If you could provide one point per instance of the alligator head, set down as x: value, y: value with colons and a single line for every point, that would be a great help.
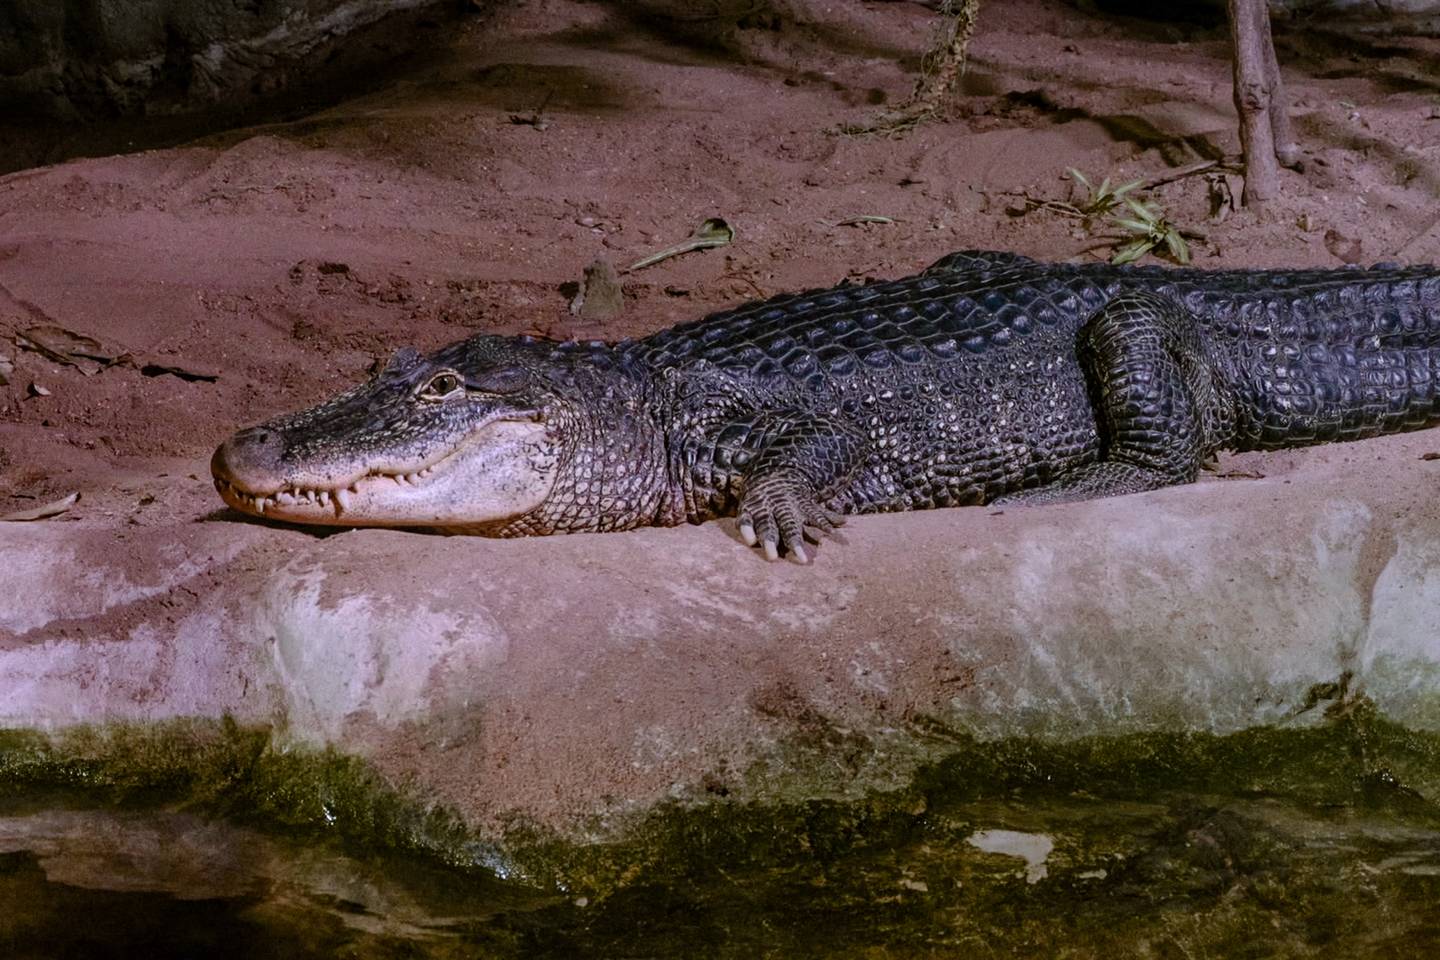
x: 476, y: 437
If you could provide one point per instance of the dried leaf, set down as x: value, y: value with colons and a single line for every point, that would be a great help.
x: 712, y: 232
x: 1342, y: 247
x: 77, y: 350
x: 52, y: 509
x: 153, y: 369
x: 601, y: 296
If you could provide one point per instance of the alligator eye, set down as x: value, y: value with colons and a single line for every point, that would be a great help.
x: 440, y: 386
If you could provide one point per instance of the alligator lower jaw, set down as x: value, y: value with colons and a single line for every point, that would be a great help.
x: 327, y: 498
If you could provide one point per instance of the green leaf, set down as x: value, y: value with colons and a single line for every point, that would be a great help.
x: 1137, y: 226
x: 1132, y: 251
x: 1123, y: 189
x: 1077, y: 175
x: 1144, y: 211
x: 1179, y: 249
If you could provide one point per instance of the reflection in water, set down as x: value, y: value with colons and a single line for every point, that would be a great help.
x: 1173, y: 875
x: 91, y: 883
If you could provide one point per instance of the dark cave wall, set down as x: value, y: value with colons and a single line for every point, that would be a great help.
x: 79, y: 59
x: 1214, y: 10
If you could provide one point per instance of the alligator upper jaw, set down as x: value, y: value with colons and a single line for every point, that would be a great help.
x: 501, y: 470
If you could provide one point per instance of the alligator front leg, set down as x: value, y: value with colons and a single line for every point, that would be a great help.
x: 778, y: 471
x: 1162, y: 401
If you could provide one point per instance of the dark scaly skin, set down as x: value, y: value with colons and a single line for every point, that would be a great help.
x: 988, y: 377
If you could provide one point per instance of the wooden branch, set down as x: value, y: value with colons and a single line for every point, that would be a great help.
x: 1249, y: 28
x: 1287, y: 150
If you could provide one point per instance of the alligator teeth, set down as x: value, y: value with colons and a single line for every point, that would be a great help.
x: 339, y: 499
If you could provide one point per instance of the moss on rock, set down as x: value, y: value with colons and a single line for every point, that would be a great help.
x: 1323, y: 840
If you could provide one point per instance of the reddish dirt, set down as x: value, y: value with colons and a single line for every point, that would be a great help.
x: 284, y: 259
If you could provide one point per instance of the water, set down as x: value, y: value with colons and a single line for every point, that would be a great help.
x: 165, y: 884
x: 1180, y: 877
x: 1317, y: 843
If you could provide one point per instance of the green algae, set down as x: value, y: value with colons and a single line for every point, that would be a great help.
x: 1316, y: 841
x: 241, y: 774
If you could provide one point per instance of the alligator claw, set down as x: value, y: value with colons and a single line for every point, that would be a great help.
x: 778, y: 514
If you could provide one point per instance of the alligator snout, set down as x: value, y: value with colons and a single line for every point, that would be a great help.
x: 251, y: 458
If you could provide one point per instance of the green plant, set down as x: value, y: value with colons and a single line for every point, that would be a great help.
x: 1100, y: 200
x: 1147, y: 230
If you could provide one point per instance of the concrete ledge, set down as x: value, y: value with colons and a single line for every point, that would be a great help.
x: 569, y: 677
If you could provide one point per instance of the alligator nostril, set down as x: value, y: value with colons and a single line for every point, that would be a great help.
x: 257, y: 441
x: 253, y: 451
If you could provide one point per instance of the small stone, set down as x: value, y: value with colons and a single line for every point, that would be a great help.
x: 38, y: 391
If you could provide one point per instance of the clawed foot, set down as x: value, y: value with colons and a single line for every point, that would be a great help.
x: 778, y: 513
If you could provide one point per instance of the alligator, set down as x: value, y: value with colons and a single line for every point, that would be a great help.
x: 989, y: 377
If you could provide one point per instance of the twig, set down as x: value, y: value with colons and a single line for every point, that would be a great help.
x: 942, y: 69
x: 947, y: 64
x: 856, y: 221
x: 1042, y: 203
x: 1202, y: 167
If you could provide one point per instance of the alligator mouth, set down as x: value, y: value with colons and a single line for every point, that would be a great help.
x: 327, y: 498
x: 500, y: 469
